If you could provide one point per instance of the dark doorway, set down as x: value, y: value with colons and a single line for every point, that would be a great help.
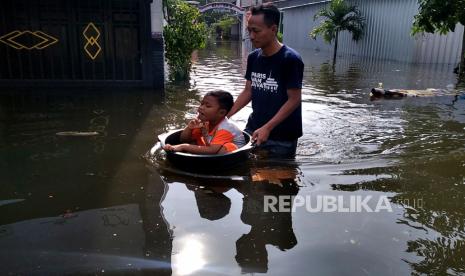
x: 84, y: 42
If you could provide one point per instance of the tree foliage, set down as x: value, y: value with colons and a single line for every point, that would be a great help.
x: 184, y: 33
x: 213, y: 16
x: 441, y: 16
x: 339, y: 17
x: 224, y: 25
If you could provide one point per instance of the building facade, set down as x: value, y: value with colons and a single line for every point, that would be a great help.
x: 387, y: 32
x: 81, y: 43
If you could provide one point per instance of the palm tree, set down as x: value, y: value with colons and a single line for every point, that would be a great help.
x: 339, y: 17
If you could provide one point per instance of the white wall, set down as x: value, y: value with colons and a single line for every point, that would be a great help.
x: 156, y: 11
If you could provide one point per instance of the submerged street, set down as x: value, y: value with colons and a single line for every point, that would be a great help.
x: 101, y: 204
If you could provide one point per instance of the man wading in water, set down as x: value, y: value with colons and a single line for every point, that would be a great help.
x: 273, y: 84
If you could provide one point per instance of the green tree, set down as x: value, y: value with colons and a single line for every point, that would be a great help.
x: 280, y: 36
x: 184, y: 33
x: 212, y: 16
x: 224, y: 25
x: 338, y: 17
x: 441, y: 16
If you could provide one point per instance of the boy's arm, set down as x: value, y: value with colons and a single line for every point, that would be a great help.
x: 212, y: 149
x: 218, y: 145
x: 242, y: 100
x: 186, y: 135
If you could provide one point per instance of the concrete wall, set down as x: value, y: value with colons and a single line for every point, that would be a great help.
x: 156, y: 11
x: 387, y: 33
x: 158, y: 53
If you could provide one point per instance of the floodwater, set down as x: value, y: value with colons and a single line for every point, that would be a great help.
x: 100, y: 204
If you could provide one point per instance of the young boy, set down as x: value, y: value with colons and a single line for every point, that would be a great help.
x: 211, y: 132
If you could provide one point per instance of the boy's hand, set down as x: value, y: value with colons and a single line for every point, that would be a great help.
x: 195, y: 123
x: 169, y: 147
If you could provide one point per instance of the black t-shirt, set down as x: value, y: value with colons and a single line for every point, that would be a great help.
x: 271, y: 77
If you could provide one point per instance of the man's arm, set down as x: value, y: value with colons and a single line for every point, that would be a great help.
x: 242, y: 100
x: 294, y: 99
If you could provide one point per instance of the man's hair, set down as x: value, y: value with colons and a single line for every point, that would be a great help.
x: 270, y: 13
x: 225, y: 99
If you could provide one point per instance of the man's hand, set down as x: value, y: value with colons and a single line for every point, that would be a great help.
x: 261, y: 135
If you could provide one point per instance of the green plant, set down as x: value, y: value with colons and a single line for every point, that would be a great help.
x: 441, y: 16
x: 280, y: 37
x: 224, y: 25
x: 339, y: 17
x: 184, y: 33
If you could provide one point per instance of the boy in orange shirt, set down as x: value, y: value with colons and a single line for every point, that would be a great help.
x: 211, y: 132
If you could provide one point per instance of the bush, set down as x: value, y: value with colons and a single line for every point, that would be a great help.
x: 184, y: 33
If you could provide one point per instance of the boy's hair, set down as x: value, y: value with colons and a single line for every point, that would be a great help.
x: 271, y: 14
x: 225, y: 99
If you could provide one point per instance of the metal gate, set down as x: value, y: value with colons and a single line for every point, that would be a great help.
x: 83, y: 41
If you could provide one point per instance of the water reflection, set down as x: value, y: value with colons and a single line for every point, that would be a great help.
x: 267, y: 228
x: 327, y: 80
x: 81, y: 204
x: 427, y: 181
x: 214, y: 204
x: 158, y: 234
x: 118, y: 238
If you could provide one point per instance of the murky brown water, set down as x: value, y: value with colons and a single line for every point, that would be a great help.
x: 94, y: 204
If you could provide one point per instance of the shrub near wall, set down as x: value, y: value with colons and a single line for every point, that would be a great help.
x: 184, y: 33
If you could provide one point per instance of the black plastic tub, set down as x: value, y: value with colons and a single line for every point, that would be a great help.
x: 204, y: 162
